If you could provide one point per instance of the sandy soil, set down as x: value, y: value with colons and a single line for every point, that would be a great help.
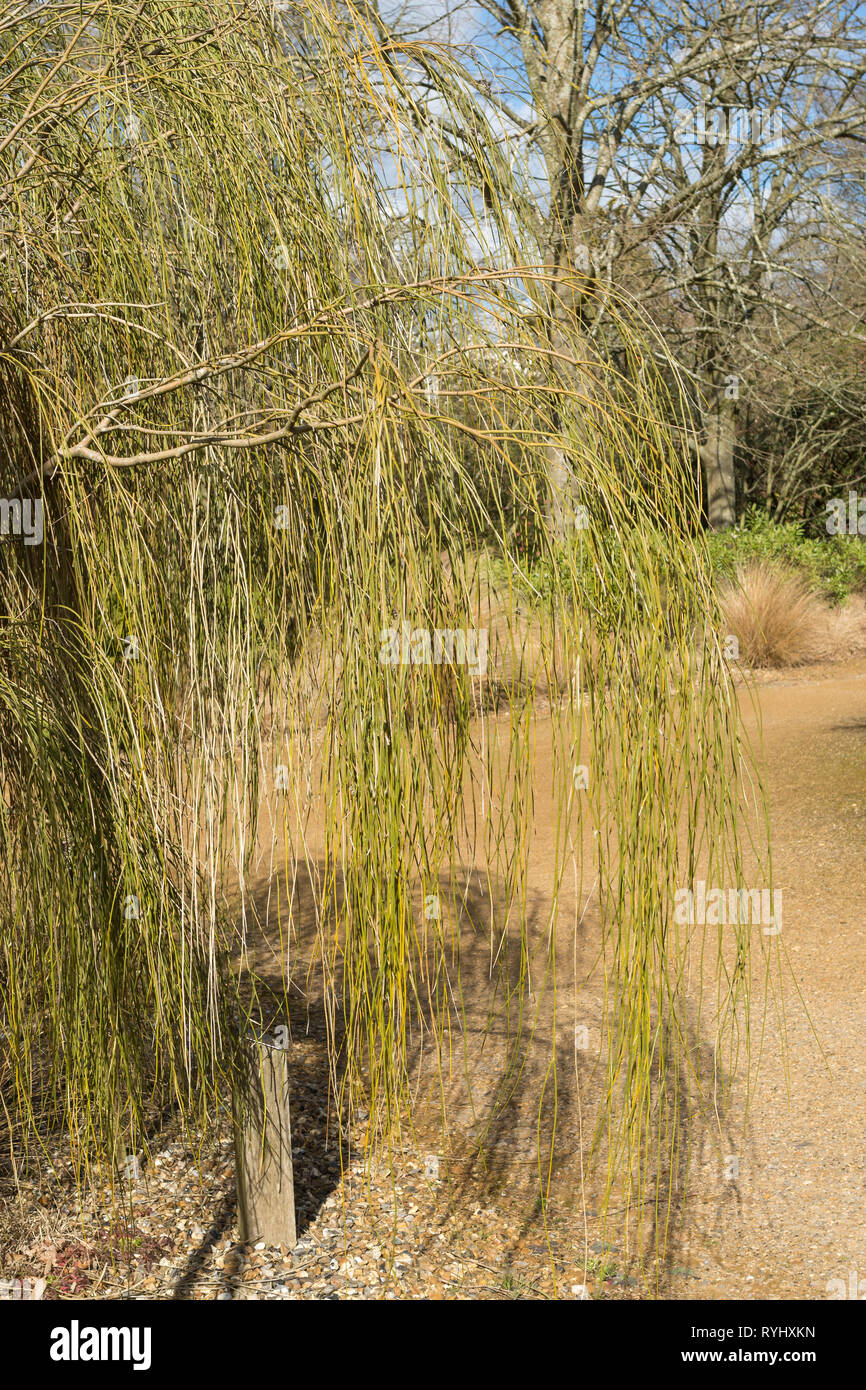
x: 794, y: 1220
x: 773, y: 1208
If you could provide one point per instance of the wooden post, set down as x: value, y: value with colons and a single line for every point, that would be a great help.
x: 263, y: 1150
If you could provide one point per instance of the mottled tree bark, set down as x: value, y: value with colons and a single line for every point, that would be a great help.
x: 717, y: 456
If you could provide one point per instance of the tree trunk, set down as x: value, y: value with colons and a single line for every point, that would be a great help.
x: 561, y: 494
x: 717, y: 456
x: 568, y: 297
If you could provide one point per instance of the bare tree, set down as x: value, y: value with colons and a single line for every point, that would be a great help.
x: 661, y: 132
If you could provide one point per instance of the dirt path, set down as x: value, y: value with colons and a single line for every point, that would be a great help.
x: 780, y: 1214
x: 795, y: 1220
x: 790, y: 1218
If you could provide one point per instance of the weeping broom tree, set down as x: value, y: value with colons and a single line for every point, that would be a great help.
x: 280, y: 370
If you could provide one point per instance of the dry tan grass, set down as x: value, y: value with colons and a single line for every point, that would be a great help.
x: 846, y: 629
x: 779, y: 621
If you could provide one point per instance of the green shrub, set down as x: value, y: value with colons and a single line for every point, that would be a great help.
x: 834, y: 566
